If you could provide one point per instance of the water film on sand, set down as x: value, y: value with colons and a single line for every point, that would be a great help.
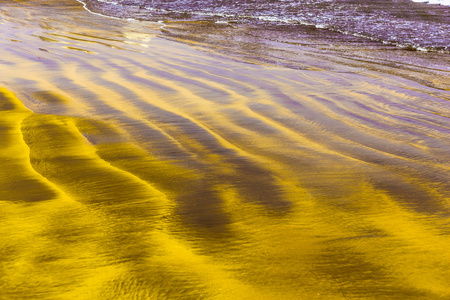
x: 137, y: 167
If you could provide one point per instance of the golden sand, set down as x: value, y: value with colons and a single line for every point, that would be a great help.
x: 134, y: 167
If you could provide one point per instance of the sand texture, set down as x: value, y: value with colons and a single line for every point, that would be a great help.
x: 138, y: 167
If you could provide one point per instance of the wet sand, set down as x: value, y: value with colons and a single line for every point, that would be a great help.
x: 138, y: 167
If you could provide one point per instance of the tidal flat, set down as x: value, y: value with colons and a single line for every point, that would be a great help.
x: 140, y: 165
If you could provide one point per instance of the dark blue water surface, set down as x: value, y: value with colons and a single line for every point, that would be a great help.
x: 403, y: 23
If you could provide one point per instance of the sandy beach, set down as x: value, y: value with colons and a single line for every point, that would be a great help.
x: 138, y: 165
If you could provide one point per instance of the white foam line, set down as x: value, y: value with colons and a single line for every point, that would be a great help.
x: 441, y: 2
x: 115, y: 18
x: 98, y: 14
x: 163, y: 24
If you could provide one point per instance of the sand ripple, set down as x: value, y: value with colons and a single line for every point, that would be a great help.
x: 134, y: 167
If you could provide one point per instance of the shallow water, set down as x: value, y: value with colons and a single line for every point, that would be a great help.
x: 407, y: 24
x: 402, y: 38
x: 136, y: 167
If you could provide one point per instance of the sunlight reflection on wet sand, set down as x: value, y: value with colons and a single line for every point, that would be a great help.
x: 142, y: 168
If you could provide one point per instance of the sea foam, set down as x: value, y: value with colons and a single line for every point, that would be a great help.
x: 442, y: 2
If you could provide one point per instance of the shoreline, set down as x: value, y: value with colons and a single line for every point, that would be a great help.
x: 314, y: 48
x: 136, y: 166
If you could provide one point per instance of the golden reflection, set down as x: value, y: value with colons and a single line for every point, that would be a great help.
x: 165, y: 173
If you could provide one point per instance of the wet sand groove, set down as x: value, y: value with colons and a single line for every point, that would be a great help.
x: 134, y: 168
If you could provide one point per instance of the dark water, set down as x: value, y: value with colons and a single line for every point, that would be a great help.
x: 403, y: 23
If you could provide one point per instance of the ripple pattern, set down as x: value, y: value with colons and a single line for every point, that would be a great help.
x: 135, y: 167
